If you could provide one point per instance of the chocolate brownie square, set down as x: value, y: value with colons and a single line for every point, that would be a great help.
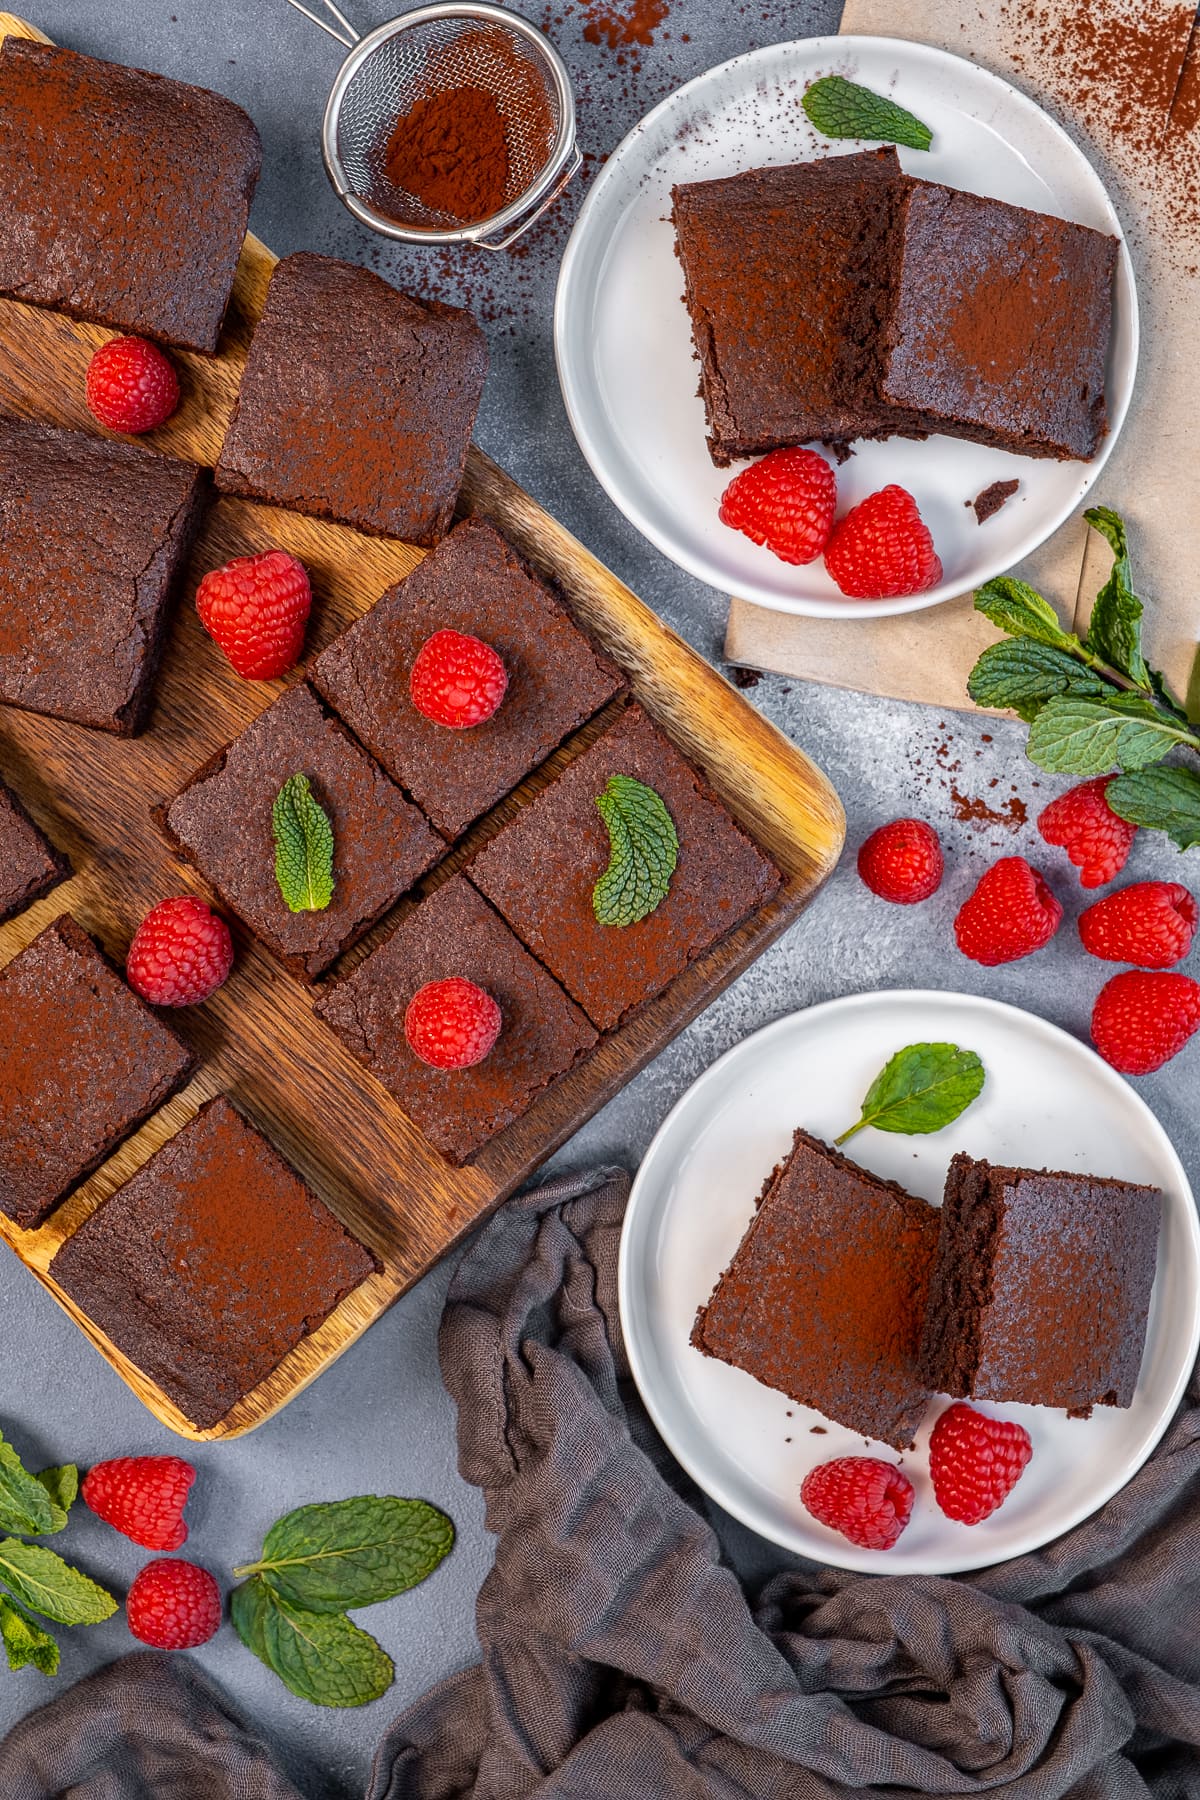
x: 1041, y: 1288
x: 357, y: 402
x: 29, y: 865
x: 540, y: 871
x: 455, y: 933
x: 787, y: 274
x: 474, y: 583
x: 92, y: 538
x: 825, y: 1297
x: 83, y: 1062
x: 999, y: 324
x: 211, y: 1263
x: 125, y: 196
x: 223, y: 823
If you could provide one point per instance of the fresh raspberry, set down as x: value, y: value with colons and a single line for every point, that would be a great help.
x: 868, y: 1501
x: 131, y: 386
x: 256, y: 608
x: 1082, y: 823
x: 1140, y: 1021
x: 457, y: 680
x: 142, y: 1497
x: 902, y: 862
x: 173, y: 1605
x: 180, y: 954
x: 1011, y: 913
x: 975, y: 1462
x: 451, y: 1024
x: 786, y: 501
x: 882, y: 548
x: 1151, y: 923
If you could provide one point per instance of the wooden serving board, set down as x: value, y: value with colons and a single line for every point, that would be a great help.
x: 257, y: 1037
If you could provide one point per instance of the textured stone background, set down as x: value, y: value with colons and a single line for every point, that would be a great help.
x: 379, y: 1420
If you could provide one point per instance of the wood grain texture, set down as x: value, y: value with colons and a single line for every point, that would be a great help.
x: 257, y: 1037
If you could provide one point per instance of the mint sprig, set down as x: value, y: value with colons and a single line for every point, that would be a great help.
x: 25, y: 1643
x: 844, y: 109
x: 643, y: 852
x: 303, y: 847
x: 39, y: 1580
x: 44, y: 1582
x: 921, y: 1089
x: 1163, y: 799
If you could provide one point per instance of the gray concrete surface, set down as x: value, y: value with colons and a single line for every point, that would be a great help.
x: 379, y: 1420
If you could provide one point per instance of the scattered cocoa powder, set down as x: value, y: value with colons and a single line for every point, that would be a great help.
x: 973, y: 811
x: 620, y: 26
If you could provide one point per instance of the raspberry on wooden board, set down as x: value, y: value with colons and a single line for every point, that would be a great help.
x: 256, y: 608
x: 181, y: 953
x: 131, y: 386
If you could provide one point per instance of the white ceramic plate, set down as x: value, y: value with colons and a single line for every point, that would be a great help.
x: 623, y: 339
x: 1049, y: 1102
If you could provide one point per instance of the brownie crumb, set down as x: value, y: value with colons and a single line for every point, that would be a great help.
x: 818, y: 1431
x: 840, y: 451
x: 992, y: 499
x: 747, y: 678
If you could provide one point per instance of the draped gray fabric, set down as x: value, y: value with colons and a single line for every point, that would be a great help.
x: 622, y: 1657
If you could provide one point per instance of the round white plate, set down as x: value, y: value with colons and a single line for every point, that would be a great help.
x: 1049, y: 1102
x: 623, y: 338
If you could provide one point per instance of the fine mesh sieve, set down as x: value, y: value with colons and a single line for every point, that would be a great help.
x: 430, y: 50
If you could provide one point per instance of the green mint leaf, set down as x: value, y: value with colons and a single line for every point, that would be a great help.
x: 321, y: 1657
x: 24, y: 1640
x: 842, y: 109
x: 643, y: 852
x: 62, y: 1485
x: 1115, y: 630
x: 42, y: 1581
x: 25, y: 1506
x: 303, y: 847
x: 1163, y: 799
x: 921, y: 1089
x: 1015, y: 607
x: 1022, y: 674
x: 1089, y: 737
x: 345, y: 1553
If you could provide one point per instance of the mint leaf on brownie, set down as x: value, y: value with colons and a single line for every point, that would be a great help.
x: 643, y: 852
x: 921, y: 1089
x: 842, y: 108
x: 303, y: 847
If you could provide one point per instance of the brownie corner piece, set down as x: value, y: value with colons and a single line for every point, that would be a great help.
x: 29, y: 863
x: 357, y: 402
x: 202, y: 1292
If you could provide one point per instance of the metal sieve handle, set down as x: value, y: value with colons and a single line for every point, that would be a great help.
x: 351, y: 38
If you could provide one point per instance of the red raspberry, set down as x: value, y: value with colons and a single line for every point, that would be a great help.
x: 1140, y: 1021
x: 1082, y: 823
x: 902, y: 862
x: 256, y: 608
x: 180, y: 954
x: 1011, y: 913
x: 451, y: 1024
x: 786, y: 501
x: 868, y: 1501
x: 142, y: 1497
x: 975, y: 1462
x: 1151, y: 923
x: 882, y: 548
x: 173, y: 1605
x: 457, y: 680
x: 131, y: 386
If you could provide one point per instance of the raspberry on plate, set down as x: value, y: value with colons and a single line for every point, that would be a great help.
x: 975, y: 1462
x: 1082, y: 823
x: 867, y: 1500
x: 173, y: 1605
x: 142, y: 1497
x: 1141, y: 1019
x: 131, y: 386
x: 180, y: 954
x: 457, y: 680
x: 902, y: 862
x: 1011, y: 913
x: 1151, y: 923
x: 882, y: 549
x: 451, y: 1024
x: 785, y: 502
x: 255, y: 608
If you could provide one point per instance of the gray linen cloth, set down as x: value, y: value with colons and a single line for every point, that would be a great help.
x: 622, y: 1657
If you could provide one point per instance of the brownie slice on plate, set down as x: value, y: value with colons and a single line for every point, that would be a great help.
x: 474, y: 583
x: 125, y: 196
x: 1041, y: 1288
x: 93, y: 535
x: 825, y: 1296
x: 29, y: 865
x: 211, y: 1263
x: 357, y: 402
x: 83, y: 1061
x: 223, y: 823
